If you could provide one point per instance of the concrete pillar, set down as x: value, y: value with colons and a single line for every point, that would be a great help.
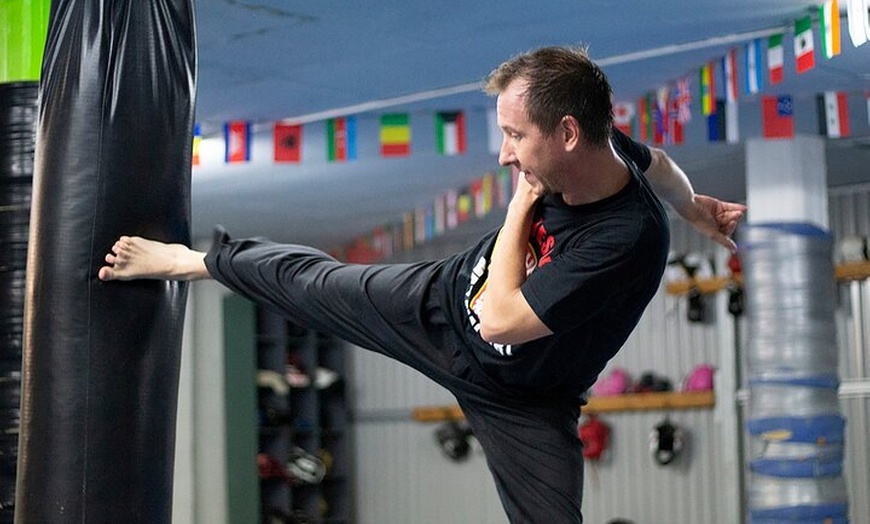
x: 796, y: 432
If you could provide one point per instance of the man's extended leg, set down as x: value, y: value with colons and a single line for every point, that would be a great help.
x: 388, y: 308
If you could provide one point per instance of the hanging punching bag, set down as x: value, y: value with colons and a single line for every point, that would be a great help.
x: 101, y: 359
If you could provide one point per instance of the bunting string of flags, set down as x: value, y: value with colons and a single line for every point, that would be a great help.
x: 658, y: 117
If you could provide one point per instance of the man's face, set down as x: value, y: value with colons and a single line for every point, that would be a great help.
x: 524, y: 145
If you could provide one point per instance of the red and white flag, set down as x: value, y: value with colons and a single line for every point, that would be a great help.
x: 729, y: 67
x: 623, y: 117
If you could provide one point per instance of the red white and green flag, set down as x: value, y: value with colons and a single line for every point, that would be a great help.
x: 341, y: 139
x: 829, y: 19
x: 833, y: 113
x: 804, y: 52
x: 450, y: 132
x: 395, y: 135
x: 775, y: 58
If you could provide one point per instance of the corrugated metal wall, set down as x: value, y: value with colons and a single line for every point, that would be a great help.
x: 850, y: 215
x: 402, y: 476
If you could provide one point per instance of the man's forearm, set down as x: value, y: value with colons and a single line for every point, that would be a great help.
x: 506, y: 317
x: 670, y: 183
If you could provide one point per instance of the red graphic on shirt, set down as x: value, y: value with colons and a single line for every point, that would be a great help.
x: 543, y: 241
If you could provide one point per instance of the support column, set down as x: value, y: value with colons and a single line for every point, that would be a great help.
x: 796, y: 431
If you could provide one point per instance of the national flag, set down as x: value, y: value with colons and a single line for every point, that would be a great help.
x: 804, y: 53
x: 382, y: 242
x: 430, y: 221
x: 419, y: 226
x: 408, y: 230
x: 197, y: 140
x: 660, y: 135
x: 777, y: 121
x: 504, y: 184
x: 857, y: 14
x: 684, y: 101
x: 623, y: 117
x: 716, y: 123
x: 708, y: 89
x: 395, y: 135
x: 237, y: 135
x: 729, y: 73
x: 440, y: 215
x: 829, y: 20
x: 341, y: 139
x: 487, y: 190
x: 450, y: 203
x: 450, y: 132
x: 732, y: 126
x: 833, y: 111
x: 723, y: 125
x: 287, y: 140
x: 477, y: 197
x: 775, y: 58
x: 675, y: 128
x: 464, y: 204
x: 493, y: 132
x: 643, y: 118
x: 752, y: 57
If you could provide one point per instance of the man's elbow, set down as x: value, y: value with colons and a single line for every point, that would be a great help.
x: 492, y: 332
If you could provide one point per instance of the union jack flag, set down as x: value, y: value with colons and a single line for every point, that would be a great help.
x: 684, y: 101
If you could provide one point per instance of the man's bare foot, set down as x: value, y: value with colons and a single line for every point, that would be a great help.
x: 136, y: 257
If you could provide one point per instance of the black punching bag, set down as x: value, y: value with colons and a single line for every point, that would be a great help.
x: 101, y: 359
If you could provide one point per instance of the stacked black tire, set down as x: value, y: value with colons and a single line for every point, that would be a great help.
x: 18, y: 111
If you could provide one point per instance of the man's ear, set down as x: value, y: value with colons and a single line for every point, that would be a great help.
x: 572, y: 135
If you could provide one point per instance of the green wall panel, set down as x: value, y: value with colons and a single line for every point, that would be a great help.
x: 240, y: 361
x: 23, y: 26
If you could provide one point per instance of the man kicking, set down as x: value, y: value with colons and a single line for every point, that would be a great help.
x: 519, y: 325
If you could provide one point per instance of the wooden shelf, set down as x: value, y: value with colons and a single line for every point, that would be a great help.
x: 651, y: 402
x: 852, y: 271
x: 842, y: 272
x: 617, y: 403
x: 704, y: 285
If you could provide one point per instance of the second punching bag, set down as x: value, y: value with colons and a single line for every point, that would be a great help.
x: 101, y: 360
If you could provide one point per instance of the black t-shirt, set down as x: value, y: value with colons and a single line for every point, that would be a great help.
x: 594, y: 268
